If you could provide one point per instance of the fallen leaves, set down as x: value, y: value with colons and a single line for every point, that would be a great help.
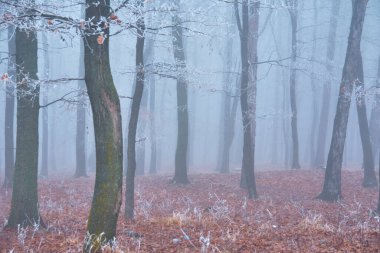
x: 212, y: 212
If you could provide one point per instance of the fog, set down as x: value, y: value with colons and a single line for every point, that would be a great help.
x: 205, y: 41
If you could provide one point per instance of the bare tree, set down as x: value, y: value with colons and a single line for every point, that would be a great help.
x: 180, y: 174
x: 352, y: 73
x: 326, y: 95
x: 293, y: 12
x: 133, y: 121
x: 248, y: 88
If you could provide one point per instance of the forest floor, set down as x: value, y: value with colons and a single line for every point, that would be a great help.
x: 210, y: 213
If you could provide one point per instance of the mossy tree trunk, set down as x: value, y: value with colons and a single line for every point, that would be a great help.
x: 180, y: 174
x: 9, y: 112
x: 24, y: 206
x: 105, y: 106
x: 352, y: 73
x: 133, y: 121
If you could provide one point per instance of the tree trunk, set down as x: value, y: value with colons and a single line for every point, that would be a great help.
x: 314, y: 101
x: 369, y: 179
x: 45, y: 116
x: 133, y: 121
x: 80, y: 138
x: 352, y: 72
x: 141, y: 135
x: 105, y: 106
x: 374, y: 124
x: 180, y: 175
x: 24, y: 206
x: 9, y: 112
x: 152, y: 106
x: 326, y: 97
x: 293, y: 77
x: 248, y: 90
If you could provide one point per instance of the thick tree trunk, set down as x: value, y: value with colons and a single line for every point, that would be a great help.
x: 248, y: 90
x: 133, y: 121
x: 80, y: 137
x: 293, y: 77
x: 9, y: 112
x: 24, y: 206
x: 326, y: 96
x: 107, y: 128
x: 352, y: 72
x: 180, y: 174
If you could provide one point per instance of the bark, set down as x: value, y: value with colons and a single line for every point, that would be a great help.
x: 105, y: 106
x: 180, y: 174
x: 9, y: 112
x: 24, y: 205
x: 133, y: 121
x: 248, y: 89
x: 141, y: 135
x: 80, y: 137
x: 352, y: 72
x: 293, y: 77
x: 326, y: 96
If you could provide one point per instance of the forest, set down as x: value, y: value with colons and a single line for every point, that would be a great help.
x: 189, y: 126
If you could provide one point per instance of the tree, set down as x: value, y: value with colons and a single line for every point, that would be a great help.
x: 228, y: 111
x: 80, y: 138
x: 326, y: 95
x: 352, y: 73
x: 9, y: 112
x: 135, y: 109
x: 248, y: 88
x: 106, y: 113
x: 45, y: 115
x: 180, y: 174
x: 293, y: 12
x: 24, y: 206
x: 374, y: 123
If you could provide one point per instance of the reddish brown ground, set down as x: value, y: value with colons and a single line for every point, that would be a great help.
x: 285, y: 218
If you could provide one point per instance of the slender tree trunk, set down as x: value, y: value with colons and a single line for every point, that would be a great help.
x: 9, y: 111
x: 326, y: 97
x: 313, y: 128
x: 24, y: 206
x: 152, y: 106
x: 352, y: 72
x: 374, y: 125
x: 248, y: 90
x: 45, y: 116
x: 106, y: 113
x: 180, y: 175
x: 369, y: 179
x: 80, y: 137
x: 141, y: 135
x: 133, y: 121
x: 293, y: 77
